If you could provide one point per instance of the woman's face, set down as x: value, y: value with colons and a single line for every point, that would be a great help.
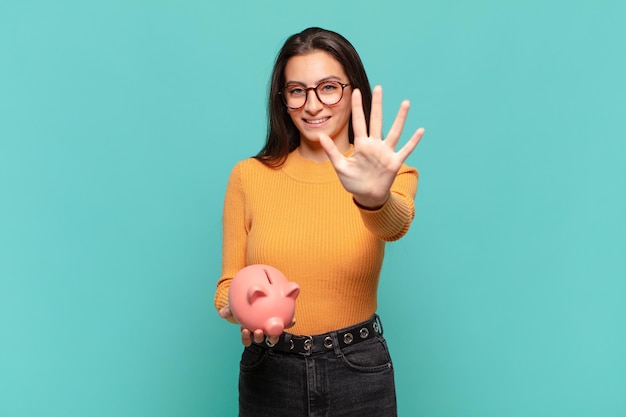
x: 314, y: 117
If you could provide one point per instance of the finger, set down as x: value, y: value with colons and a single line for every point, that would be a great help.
x: 359, y: 125
x: 335, y: 156
x: 398, y: 125
x: 273, y: 339
x: 376, y: 115
x: 225, y: 312
x: 259, y: 336
x: 246, y: 337
x: 411, y: 144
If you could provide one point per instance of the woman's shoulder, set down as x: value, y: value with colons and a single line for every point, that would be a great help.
x: 251, y: 168
x: 251, y: 164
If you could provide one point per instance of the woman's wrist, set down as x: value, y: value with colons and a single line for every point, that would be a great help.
x: 368, y: 203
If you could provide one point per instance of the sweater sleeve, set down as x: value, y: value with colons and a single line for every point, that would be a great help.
x: 234, y: 236
x: 393, y: 219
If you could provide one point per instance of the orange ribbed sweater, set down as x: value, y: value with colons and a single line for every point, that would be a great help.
x: 299, y: 219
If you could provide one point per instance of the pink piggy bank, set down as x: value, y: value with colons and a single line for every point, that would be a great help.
x: 260, y: 297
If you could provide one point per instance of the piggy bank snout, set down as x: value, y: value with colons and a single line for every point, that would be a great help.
x: 274, y: 326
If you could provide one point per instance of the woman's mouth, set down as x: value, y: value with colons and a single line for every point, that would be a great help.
x: 316, y: 122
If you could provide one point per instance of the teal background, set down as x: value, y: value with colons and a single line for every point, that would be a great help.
x: 120, y: 122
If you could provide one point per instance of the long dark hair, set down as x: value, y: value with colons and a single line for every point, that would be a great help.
x: 282, y: 135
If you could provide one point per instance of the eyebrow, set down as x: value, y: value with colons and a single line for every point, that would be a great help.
x: 329, y: 78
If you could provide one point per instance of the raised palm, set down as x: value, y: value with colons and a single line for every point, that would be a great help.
x: 370, y: 170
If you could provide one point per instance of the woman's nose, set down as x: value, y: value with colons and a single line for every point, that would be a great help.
x: 313, y: 104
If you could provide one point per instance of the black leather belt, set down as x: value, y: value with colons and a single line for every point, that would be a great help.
x: 310, y: 345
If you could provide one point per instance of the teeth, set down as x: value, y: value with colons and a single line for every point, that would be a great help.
x: 315, y: 122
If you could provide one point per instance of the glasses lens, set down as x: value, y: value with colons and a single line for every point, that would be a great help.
x: 329, y: 92
x: 294, y: 96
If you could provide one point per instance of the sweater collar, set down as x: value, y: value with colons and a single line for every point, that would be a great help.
x: 306, y: 170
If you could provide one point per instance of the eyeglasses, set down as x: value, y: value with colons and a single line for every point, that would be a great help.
x: 327, y: 92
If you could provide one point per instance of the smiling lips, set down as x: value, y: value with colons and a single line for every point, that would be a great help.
x: 316, y: 121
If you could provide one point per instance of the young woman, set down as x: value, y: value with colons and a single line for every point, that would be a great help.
x: 319, y: 202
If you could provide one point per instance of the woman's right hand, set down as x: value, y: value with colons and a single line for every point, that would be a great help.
x: 247, y: 336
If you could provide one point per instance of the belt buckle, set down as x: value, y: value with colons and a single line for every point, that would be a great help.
x: 307, y: 345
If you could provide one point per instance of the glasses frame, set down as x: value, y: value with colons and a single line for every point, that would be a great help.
x: 306, y: 94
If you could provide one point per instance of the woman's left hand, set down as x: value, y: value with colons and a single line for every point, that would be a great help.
x: 371, y: 169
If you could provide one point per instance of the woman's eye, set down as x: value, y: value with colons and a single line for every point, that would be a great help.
x: 328, y: 87
x: 296, y: 91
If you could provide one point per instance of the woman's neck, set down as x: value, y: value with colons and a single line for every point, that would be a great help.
x: 313, y: 150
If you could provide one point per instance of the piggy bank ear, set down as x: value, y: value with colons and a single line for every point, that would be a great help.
x: 255, y: 292
x: 291, y: 290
